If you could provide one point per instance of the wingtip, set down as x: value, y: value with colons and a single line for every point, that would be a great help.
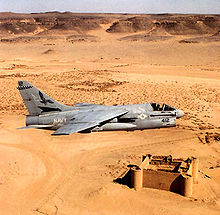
x: 60, y: 133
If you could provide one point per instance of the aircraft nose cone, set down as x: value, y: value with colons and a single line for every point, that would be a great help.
x: 179, y: 114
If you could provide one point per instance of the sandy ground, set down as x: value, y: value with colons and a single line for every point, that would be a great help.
x: 41, y: 174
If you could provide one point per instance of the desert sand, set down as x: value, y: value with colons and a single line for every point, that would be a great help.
x: 108, y: 59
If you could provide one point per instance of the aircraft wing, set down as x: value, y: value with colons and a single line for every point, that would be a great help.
x: 70, y: 128
x: 88, y: 120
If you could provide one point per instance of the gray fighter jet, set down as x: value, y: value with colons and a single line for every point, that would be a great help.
x: 46, y: 113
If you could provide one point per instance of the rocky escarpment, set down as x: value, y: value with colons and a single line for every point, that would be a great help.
x: 46, y: 23
x: 172, y: 24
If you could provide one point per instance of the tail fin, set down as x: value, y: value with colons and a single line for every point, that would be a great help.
x: 38, y: 102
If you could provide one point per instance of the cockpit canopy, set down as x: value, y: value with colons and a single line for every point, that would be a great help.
x: 164, y: 107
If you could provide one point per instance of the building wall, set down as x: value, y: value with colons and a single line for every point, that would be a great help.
x: 161, y: 180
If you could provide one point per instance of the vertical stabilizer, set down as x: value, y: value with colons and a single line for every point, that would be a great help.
x: 38, y: 102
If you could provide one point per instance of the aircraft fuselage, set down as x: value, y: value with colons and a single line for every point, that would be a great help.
x: 47, y: 113
x: 138, y: 117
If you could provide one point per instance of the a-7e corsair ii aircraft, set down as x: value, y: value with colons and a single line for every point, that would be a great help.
x: 45, y: 112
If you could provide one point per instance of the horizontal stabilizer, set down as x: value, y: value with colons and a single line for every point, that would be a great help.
x: 36, y: 126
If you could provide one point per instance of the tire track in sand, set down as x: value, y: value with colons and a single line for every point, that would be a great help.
x: 40, y: 191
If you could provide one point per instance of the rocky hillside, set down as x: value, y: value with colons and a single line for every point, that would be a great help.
x: 172, y: 24
x: 51, y: 23
x: 11, y: 23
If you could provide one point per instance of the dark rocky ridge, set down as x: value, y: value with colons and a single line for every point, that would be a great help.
x: 12, y: 23
x: 56, y: 22
x: 172, y: 24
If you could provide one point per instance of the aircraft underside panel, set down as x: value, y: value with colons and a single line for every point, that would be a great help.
x: 115, y: 126
x: 138, y: 124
